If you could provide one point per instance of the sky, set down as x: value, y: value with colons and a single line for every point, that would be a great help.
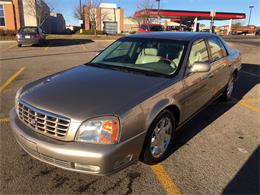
x: 66, y: 7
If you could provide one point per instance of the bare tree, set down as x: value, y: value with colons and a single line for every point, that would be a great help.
x: 90, y: 11
x: 145, y: 5
x: 78, y: 12
x: 40, y: 9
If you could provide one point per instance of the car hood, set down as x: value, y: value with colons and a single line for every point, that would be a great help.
x: 85, y: 91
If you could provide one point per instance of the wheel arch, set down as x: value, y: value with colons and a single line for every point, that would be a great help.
x: 173, y: 107
x: 175, y: 111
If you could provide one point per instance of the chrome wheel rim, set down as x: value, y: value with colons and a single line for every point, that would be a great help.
x: 161, y: 137
x: 230, y: 87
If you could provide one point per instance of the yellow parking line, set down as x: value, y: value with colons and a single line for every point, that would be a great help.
x: 165, y: 180
x: 244, y: 103
x: 83, y: 46
x: 4, y: 120
x: 46, y: 48
x: 10, y: 47
x: 11, y: 79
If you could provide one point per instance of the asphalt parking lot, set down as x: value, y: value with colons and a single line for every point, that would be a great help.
x: 216, y: 152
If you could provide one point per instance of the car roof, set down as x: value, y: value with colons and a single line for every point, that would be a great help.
x: 183, y: 36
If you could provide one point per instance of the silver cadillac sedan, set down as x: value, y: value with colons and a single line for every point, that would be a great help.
x: 126, y: 104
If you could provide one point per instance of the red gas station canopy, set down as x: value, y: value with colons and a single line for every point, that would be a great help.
x: 188, y: 15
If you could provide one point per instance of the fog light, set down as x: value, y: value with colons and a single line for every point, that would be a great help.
x: 90, y: 168
x: 122, y: 162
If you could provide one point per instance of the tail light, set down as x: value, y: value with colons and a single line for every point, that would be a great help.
x: 18, y: 36
x: 37, y: 36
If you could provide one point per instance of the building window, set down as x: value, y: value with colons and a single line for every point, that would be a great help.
x: 2, y: 18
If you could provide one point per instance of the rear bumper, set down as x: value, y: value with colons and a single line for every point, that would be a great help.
x: 28, y: 41
x: 94, y: 159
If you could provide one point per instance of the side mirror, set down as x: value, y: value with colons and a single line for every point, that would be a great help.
x: 200, y: 67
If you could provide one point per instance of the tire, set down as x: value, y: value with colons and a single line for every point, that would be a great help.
x: 227, y: 94
x: 19, y: 45
x: 43, y: 42
x: 151, y: 154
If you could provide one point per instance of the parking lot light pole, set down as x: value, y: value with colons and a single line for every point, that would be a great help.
x: 158, y: 10
x: 250, y: 7
x: 212, y: 14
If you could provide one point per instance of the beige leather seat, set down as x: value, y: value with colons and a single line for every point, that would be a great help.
x: 148, y: 55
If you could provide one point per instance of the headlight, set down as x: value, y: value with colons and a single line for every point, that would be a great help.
x: 104, y: 130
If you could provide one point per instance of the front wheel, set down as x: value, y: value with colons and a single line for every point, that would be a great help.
x: 159, y: 139
x: 19, y: 45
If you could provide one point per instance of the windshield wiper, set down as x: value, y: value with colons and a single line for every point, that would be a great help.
x: 113, y: 67
x: 128, y: 69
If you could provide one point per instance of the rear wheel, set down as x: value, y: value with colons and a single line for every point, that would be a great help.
x: 227, y: 94
x: 159, y: 139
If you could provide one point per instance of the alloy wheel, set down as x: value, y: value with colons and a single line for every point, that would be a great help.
x: 161, y: 137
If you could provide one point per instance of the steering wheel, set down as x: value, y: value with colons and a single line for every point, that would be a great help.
x: 166, y: 60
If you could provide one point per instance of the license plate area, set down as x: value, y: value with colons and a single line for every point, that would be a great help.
x: 27, y: 36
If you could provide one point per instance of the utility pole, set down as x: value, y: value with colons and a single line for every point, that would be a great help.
x: 15, y: 20
x: 158, y: 10
x: 80, y: 8
x: 250, y: 7
x: 81, y: 16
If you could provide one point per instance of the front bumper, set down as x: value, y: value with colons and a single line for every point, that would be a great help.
x: 97, y: 159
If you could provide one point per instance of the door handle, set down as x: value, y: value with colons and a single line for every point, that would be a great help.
x: 210, y: 75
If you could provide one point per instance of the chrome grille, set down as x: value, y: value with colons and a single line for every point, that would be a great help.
x: 43, y: 122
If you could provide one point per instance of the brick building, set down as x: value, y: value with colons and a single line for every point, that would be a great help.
x: 17, y: 13
x: 109, y: 18
x: 10, y: 15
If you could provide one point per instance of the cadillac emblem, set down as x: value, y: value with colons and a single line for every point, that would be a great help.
x: 32, y: 122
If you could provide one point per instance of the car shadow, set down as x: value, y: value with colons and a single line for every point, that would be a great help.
x: 64, y: 42
x: 245, y: 82
x: 247, y: 180
x: 247, y: 79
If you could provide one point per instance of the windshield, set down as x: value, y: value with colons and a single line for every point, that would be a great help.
x: 148, y: 55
